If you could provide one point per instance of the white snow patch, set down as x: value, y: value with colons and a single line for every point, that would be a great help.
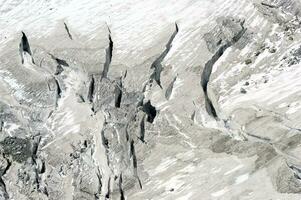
x: 186, y: 196
x: 177, y: 84
x: 164, y: 165
x: 11, y: 128
x: 189, y: 169
x: 174, y: 182
x: 282, y: 105
x: 220, y: 192
x: 274, y: 28
x: 234, y: 169
x: 294, y: 107
x: 221, y: 59
x: 242, y: 178
x: 215, y: 170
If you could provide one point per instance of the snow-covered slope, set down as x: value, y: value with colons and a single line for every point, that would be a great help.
x: 150, y: 99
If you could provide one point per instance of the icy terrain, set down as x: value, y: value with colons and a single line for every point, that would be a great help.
x: 150, y: 99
